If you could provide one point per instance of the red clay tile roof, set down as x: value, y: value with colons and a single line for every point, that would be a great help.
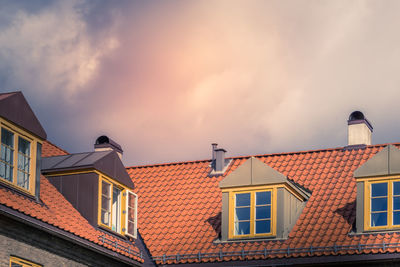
x: 50, y: 150
x: 57, y: 211
x: 180, y: 209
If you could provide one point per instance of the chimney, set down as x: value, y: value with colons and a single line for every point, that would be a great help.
x: 219, y: 159
x: 103, y: 143
x: 359, y: 129
x: 213, y: 148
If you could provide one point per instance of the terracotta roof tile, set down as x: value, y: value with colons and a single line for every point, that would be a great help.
x: 180, y: 205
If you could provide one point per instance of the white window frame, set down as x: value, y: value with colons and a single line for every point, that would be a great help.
x: 134, y: 235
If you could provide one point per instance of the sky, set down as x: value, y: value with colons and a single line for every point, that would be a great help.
x: 165, y: 79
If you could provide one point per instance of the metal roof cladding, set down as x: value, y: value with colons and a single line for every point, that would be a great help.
x: 107, y: 162
x: 15, y: 108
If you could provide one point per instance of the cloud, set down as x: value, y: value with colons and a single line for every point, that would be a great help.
x: 50, y: 51
x: 165, y: 79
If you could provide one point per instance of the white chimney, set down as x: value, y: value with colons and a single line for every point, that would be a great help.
x: 359, y: 129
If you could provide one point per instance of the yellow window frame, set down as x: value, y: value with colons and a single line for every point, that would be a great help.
x: 252, y: 191
x: 367, y: 203
x: 22, y: 262
x: 34, y: 141
x: 123, y: 204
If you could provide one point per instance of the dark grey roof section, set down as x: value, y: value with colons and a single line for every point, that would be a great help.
x: 15, y: 108
x: 385, y: 162
x: 107, y: 162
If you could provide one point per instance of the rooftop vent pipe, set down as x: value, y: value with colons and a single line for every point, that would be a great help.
x: 218, y: 158
x: 103, y: 143
x: 359, y: 129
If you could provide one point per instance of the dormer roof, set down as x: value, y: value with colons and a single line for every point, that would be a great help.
x: 106, y: 162
x: 386, y: 162
x: 254, y: 172
x: 15, y: 108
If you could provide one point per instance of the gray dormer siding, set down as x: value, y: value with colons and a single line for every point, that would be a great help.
x: 254, y: 172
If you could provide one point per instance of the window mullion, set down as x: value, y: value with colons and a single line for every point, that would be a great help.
x: 390, y: 203
x: 252, y: 213
x: 111, y: 204
x: 15, y: 159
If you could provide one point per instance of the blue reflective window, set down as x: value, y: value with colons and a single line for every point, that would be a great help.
x: 263, y: 212
x: 396, y: 217
x: 243, y: 214
x: 253, y: 213
x: 379, y: 204
x: 379, y: 189
x: 243, y: 200
x: 263, y: 227
x: 379, y: 219
x: 242, y: 228
x: 396, y: 188
x: 263, y: 198
x: 396, y: 203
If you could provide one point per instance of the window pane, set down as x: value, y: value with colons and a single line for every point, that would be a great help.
x: 242, y: 228
x: 7, y: 138
x: 131, y: 213
x: 23, y: 162
x: 243, y: 199
x: 379, y: 219
x: 131, y: 227
x: 263, y: 227
x: 13, y: 264
x: 396, y: 188
x: 116, y: 210
x: 396, y: 217
x: 263, y: 198
x: 379, y: 189
x: 23, y: 146
x: 6, y: 171
x: 105, y: 217
x: 7, y: 154
x: 242, y: 214
x: 105, y: 189
x: 396, y: 203
x: 263, y: 212
x: 23, y: 179
x: 378, y: 204
x: 105, y: 203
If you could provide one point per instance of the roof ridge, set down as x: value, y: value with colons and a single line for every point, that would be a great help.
x: 256, y: 156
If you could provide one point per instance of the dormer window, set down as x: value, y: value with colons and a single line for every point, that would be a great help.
x: 21, y: 138
x: 252, y: 214
x: 17, y: 162
x: 98, y: 186
x: 118, y: 207
x: 378, y: 192
x: 259, y: 202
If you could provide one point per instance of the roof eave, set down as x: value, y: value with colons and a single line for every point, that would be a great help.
x: 65, y: 235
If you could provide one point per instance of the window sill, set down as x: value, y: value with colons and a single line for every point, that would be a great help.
x: 375, y: 231
x: 20, y: 191
x: 253, y: 239
x: 109, y: 231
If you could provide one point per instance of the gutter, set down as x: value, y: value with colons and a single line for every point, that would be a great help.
x: 65, y: 235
